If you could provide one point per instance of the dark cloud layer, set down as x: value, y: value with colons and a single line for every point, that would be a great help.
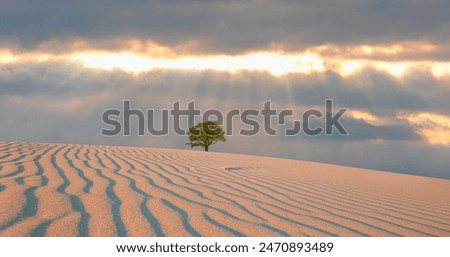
x: 227, y: 26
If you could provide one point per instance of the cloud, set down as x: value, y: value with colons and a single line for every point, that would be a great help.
x: 227, y: 26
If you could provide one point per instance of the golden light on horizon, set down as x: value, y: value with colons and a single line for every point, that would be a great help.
x: 437, y: 136
x: 377, y: 51
x: 7, y: 57
x: 350, y: 67
x: 435, y: 128
x: 395, y: 69
x: 145, y: 57
x: 441, y: 69
x: 366, y: 116
x: 275, y: 64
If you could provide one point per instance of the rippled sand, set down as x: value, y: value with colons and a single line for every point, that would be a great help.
x: 81, y: 190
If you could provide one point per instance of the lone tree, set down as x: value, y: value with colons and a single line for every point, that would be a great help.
x: 205, y: 134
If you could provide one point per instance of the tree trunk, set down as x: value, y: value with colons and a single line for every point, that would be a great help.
x: 206, y: 148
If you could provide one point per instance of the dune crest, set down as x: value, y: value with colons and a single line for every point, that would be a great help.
x: 82, y: 190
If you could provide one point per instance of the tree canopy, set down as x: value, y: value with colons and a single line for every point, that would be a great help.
x: 205, y: 134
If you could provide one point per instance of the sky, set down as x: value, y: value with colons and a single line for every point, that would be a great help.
x: 63, y: 63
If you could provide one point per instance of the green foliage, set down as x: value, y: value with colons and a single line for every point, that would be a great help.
x: 205, y: 134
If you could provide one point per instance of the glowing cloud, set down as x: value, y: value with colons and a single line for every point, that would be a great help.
x: 435, y: 128
x: 141, y: 57
x: 368, y: 117
x: 275, y: 64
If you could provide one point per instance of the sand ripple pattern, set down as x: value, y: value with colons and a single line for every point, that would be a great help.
x: 82, y: 190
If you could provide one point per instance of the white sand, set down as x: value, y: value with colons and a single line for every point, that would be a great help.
x: 79, y: 190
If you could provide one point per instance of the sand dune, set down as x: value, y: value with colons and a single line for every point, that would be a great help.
x: 81, y: 190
